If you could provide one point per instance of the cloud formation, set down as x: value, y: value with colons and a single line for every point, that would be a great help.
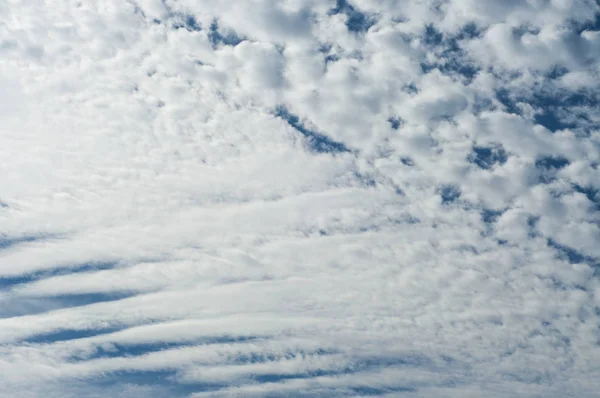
x: 300, y: 198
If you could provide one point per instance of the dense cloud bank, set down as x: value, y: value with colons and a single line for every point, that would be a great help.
x: 299, y: 198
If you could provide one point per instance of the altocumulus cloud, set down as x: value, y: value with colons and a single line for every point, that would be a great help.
x: 299, y: 198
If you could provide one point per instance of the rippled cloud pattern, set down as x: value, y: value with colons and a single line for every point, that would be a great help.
x: 299, y: 198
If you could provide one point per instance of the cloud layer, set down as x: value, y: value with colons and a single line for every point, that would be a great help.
x: 299, y: 198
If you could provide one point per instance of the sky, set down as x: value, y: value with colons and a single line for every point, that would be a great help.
x: 299, y: 198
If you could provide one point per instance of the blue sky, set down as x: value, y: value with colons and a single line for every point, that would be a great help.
x: 300, y: 199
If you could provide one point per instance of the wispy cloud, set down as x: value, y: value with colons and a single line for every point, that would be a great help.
x: 302, y: 198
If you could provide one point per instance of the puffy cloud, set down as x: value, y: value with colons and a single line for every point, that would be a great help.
x: 261, y: 198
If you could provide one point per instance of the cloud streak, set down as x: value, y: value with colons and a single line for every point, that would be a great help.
x: 300, y: 198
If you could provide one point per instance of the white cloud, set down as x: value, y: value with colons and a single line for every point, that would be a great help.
x: 167, y: 229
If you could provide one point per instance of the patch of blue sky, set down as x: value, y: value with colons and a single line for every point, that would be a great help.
x: 25, y: 305
x: 407, y: 161
x: 572, y: 255
x: 166, y: 380
x: 329, y: 58
x: 362, y: 391
x: 365, y: 179
x: 18, y: 306
x: 556, y: 72
x: 548, y: 166
x: 486, y: 157
x: 163, y: 379
x: 330, y: 53
x: 532, y: 222
x: 591, y: 193
x: 367, y: 391
x: 178, y: 20
x: 8, y: 282
x: 315, y: 141
x: 357, y: 21
x: 557, y: 108
x: 187, y: 22
x: 489, y: 216
x: 216, y: 37
x: 116, y: 350
x: 357, y: 367
x: 395, y: 122
x: 452, y: 66
x: 592, y: 24
x: 561, y: 109
x: 449, y: 193
x: 66, y: 334
x: 7, y: 242
x: 14, y: 305
x: 482, y: 104
x: 11, y: 281
x: 78, y: 300
x: 451, y: 59
x: 432, y: 36
x: 552, y: 162
x: 262, y: 357
x: 506, y: 98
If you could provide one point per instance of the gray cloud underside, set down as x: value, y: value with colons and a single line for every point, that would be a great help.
x: 299, y: 198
